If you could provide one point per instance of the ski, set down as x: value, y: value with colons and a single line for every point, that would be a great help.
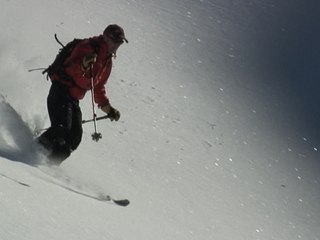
x: 63, y: 181
x: 122, y: 202
x: 15, y: 180
x: 100, y: 197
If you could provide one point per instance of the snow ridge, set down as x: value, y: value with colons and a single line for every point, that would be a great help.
x: 16, y: 138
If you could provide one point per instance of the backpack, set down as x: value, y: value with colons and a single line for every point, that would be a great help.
x: 57, y: 66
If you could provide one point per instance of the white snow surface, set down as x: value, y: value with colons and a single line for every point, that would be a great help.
x: 205, y: 148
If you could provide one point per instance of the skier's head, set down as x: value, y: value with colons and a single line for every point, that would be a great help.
x: 115, y: 33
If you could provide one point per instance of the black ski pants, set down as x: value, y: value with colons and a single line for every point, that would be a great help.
x: 65, y: 132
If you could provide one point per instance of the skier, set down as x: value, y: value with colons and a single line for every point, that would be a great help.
x: 89, y: 64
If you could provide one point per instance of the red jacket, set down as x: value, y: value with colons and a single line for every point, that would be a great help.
x: 82, y: 79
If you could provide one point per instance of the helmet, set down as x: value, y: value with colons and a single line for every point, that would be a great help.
x: 116, y: 33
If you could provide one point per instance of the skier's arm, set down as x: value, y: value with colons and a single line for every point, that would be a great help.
x: 100, y: 95
x: 102, y: 100
x: 74, y: 65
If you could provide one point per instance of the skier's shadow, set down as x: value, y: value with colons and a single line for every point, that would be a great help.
x: 16, y: 139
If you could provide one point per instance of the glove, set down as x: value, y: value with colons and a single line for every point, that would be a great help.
x: 88, y: 60
x: 112, y: 113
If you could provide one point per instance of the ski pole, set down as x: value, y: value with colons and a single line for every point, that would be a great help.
x: 97, y: 119
x: 36, y: 69
x: 95, y: 136
x: 38, y: 131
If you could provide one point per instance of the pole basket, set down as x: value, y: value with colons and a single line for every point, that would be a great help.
x: 96, y: 136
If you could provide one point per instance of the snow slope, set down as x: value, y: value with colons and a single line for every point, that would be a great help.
x: 213, y: 140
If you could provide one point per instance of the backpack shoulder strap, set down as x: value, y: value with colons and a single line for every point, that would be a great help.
x: 94, y: 44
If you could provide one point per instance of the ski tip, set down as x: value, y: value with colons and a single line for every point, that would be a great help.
x: 122, y: 202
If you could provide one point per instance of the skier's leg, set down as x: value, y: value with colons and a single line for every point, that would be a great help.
x: 55, y: 139
x: 76, y: 129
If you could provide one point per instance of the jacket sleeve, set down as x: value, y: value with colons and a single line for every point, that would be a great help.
x: 100, y: 93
